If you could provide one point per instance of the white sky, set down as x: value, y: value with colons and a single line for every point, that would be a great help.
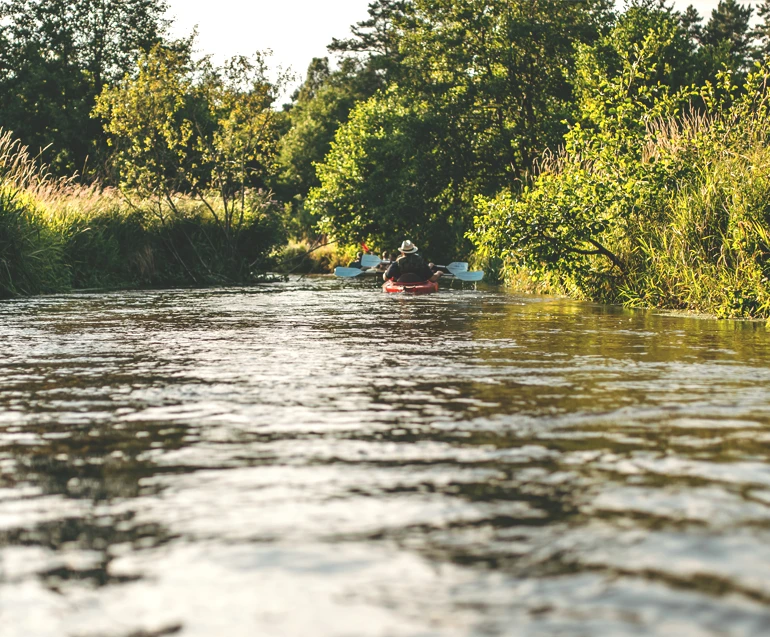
x: 295, y: 30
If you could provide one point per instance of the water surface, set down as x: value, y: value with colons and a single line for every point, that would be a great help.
x: 316, y: 458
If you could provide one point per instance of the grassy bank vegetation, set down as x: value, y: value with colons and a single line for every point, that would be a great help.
x: 56, y: 235
x: 659, y: 198
x: 613, y: 153
x: 307, y: 257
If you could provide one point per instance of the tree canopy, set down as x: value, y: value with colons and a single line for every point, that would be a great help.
x: 426, y: 106
x: 180, y: 126
x: 56, y: 57
x: 483, y: 88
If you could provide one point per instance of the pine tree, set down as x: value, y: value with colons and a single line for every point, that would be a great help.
x: 378, y: 37
x: 728, y: 30
x: 692, y: 23
x: 762, y: 30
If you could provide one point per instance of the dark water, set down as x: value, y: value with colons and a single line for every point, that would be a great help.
x: 320, y: 459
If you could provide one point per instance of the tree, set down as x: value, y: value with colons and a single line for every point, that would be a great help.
x: 109, y: 35
x: 501, y: 73
x: 56, y: 57
x: 762, y: 30
x: 646, y: 25
x: 321, y: 105
x: 179, y: 126
x: 692, y: 23
x: 317, y: 75
x: 482, y: 88
x: 370, y: 61
x: 578, y: 222
x: 726, y: 38
x: 384, y: 178
x: 378, y: 38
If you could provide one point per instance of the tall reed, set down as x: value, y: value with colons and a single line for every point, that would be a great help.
x: 31, y: 252
x: 56, y: 235
x: 672, y: 214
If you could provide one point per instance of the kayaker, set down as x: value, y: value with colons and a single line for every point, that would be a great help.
x: 410, y: 267
x: 357, y: 262
x: 384, y: 261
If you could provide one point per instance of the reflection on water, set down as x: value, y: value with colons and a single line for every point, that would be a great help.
x: 317, y: 458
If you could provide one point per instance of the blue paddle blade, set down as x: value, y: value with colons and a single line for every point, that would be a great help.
x: 469, y: 276
x: 457, y: 266
x: 347, y: 273
x: 370, y: 261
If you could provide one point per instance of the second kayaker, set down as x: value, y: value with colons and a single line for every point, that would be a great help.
x: 410, y: 267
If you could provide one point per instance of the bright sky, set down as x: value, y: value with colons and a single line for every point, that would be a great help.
x: 295, y: 30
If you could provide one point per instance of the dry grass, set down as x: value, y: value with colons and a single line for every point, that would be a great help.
x: 56, y: 234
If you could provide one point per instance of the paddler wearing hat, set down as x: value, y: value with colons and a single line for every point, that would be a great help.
x: 410, y: 267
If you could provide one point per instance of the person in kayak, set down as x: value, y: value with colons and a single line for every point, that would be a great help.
x: 410, y: 267
x: 357, y: 262
x: 384, y: 261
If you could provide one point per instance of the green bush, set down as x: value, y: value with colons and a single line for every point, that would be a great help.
x: 304, y: 257
x: 652, y: 202
x: 55, y: 236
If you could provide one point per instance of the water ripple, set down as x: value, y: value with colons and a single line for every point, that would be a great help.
x: 315, y: 457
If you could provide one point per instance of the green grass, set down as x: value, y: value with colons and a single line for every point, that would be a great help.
x: 682, y: 205
x: 56, y: 236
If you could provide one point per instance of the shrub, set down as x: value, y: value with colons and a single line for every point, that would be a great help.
x: 652, y: 202
x: 55, y: 235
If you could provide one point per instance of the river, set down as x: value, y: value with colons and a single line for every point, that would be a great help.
x: 316, y: 458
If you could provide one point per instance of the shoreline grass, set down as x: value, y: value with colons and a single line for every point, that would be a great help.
x: 56, y: 235
x: 655, y: 211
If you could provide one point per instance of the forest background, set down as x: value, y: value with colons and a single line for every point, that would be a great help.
x: 614, y: 154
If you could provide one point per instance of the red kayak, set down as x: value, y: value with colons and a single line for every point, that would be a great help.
x: 422, y: 287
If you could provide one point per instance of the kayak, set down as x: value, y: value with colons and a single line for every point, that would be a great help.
x: 422, y: 287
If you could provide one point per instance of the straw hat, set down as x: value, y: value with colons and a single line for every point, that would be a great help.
x: 407, y: 247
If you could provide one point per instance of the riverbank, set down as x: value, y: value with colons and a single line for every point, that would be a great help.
x: 657, y: 200
x: 56, y: 236
x: 85, y: 238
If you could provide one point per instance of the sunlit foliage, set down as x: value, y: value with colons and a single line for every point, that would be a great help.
x: 178, y: 126
x: 654, y: 204
x: 481, y: 89
x: 56, y: 56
